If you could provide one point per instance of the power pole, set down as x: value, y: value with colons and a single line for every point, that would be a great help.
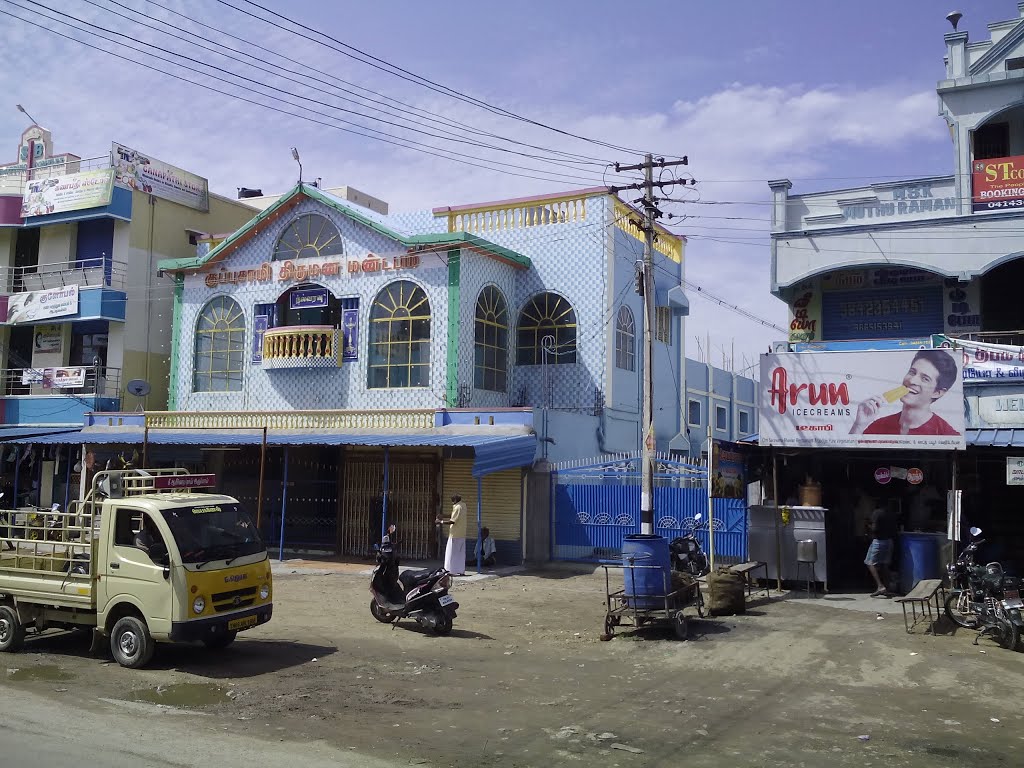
x: 645, y: 287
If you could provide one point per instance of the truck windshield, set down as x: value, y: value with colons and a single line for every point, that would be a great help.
x: 213, y: 532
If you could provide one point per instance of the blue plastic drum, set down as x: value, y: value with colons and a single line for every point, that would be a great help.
x: 648, y: 570
x: 919, y: 559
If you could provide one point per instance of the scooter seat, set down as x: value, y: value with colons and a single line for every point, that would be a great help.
x: 412, y: 577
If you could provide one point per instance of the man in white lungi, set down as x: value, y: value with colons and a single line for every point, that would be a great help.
x: 455, y: 551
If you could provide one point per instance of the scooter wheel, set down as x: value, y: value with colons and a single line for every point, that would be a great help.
x: 382, y: 615
x: 444, y: 624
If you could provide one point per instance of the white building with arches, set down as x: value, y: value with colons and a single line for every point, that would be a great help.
x: 428, y: 354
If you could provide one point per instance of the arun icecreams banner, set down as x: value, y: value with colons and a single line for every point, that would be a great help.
x: 890, y: 399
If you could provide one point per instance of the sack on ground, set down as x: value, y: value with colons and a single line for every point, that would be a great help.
x: 726, y: 593
x: 681, y: 580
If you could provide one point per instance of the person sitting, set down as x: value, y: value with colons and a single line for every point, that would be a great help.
x: 144, y: 536
x: 488, y: 553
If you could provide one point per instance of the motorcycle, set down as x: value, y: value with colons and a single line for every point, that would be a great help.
x: 984, y: 598
x: 686, y: 554
x: 412, y: 594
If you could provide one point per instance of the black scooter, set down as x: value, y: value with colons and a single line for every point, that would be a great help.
x: 421, y: 595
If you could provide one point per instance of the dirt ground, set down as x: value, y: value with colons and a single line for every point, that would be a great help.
x: 524, y: 680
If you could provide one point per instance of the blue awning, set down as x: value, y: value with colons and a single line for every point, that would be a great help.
x: 494, y: 450
x: 14, y: 432
x: 996, y: 438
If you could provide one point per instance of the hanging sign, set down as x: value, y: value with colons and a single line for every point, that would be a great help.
x: 47, y: 339
x: 985, y: 363
x: 350, y: 334
x: 63, y: 378
x: 308, y: 298
x: 726, y: 471
x: 1015, y: 470
x: 38, y: 305
x: 74, y: 192
x: 146, y: 174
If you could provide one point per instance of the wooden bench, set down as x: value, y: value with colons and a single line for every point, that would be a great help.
x: 925, y: 594
x: 746, y: 571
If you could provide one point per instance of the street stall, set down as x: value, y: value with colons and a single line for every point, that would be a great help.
x: 842, y: 438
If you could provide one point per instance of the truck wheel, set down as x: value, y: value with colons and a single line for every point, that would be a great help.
x: 220, y: 640
x: 12, y: 633
x: 130, y: 643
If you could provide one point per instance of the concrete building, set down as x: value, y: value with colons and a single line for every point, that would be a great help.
x: 83, y: 310
x: 934, y: 260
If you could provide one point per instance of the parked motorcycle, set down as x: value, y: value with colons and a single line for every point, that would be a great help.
x: 983, y: 597
x: 412, y: 594
x: 686, y: 554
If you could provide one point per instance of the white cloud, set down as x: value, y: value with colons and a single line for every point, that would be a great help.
x: 736, y: 138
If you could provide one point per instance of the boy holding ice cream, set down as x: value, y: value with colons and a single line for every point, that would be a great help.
x: 931, y: 374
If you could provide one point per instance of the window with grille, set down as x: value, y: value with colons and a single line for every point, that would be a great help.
x: 992, y: 140
x: 399, y: 345
x: 546, y: 316
x: 663, y: 324
x: 625, y: 340
x: 308, y: 236
x: 490, y: 350
x: 219, y: 347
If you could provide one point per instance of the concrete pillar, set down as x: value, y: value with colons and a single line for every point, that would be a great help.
x: 956, y: 54
x: 537, y: 514
x: 780, y: 197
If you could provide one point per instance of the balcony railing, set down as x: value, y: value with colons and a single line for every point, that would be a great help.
x: 301, y: 346
x: 12, y: 181
x: 317, y: 420
x: 68, y: 380
x: 85, y: 273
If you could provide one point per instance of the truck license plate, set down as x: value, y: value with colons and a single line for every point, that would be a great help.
x: 446, y: 600
x: 246, y: 623
x: 1011, y: 594
x: 1013, y: 603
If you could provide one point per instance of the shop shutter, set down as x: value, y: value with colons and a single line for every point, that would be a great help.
x: 502, y: 498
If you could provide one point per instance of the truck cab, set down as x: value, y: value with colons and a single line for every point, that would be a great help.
x: 145, y: 558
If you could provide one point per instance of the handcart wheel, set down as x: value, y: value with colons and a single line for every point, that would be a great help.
x: 699, y: 602
x: 679, y: 624
x: 609, y: 625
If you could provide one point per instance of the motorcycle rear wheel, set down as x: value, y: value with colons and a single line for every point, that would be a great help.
x: 382, y: 615
x: 959, y: 611
x: 444, y: 624
x: 1008, y: 636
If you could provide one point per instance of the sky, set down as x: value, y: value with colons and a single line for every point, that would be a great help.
x: 828, y: 94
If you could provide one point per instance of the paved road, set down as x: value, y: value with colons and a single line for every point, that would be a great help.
x: 40, y: 731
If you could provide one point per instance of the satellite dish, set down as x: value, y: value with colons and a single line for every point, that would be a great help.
x: 140, y: 388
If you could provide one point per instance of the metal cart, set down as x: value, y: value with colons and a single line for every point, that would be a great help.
x: 648, y: 609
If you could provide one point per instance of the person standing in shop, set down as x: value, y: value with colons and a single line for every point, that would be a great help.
x: 455, y: 551
x: 884, y: 528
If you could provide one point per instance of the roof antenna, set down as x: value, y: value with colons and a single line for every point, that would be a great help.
x: 954, y: 18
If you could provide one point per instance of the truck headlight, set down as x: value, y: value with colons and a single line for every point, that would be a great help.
x: 264, y: 592
x: 199, y: 604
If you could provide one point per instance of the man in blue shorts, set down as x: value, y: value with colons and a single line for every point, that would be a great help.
x: 883, y: 532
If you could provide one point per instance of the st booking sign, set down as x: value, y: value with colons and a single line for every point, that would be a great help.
x: 890, y: 399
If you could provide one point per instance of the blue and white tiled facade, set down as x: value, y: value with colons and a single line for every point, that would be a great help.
x: 587, y: 258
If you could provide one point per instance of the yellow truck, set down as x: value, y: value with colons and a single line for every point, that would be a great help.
x: 147, y: 556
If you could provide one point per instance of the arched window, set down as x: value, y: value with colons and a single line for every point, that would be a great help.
x: 546, y: 314
x: 308, y: 236
x: 625, y: 340
x: 490, y: 365
x: 399, y: 348
x: 220, y: 344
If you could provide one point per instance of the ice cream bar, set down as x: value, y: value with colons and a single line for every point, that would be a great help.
x: 895, y: 394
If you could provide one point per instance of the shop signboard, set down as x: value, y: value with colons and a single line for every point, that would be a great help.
x: 47, y: 339
x: 63, y: 378
x: 864, y: 345
x: 997, y: 184
x: 74, y: 192
x: 983, y: 363
x: 892, y: 399
x: 727, y: 478
x: 146, y: 174
x: 30, y: 306
x: 1015, y: 470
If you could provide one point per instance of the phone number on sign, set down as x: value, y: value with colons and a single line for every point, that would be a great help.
x: 1004, y: 204
x: 879, y: 307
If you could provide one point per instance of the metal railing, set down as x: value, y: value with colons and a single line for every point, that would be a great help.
x: 1010, y: 338
x: 314, y: 420
x: 100, y: 271
x: 95, y: 381
x: 12, y: 180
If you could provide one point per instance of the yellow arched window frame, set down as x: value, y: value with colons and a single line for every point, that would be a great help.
x: 309, y: 236
x: 399, y: 345
x: 546, y: 316
x: 218, y: 361
x: 490, y: 345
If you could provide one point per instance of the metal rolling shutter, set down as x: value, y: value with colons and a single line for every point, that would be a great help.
x: 501, y: 510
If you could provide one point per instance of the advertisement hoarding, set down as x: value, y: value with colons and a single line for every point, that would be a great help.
x: 38, y: 305
x: 997, y: 183
x: 74, y: 192
x: 727, y: 480
x: 982, y: 363
x: 878, y: 399
x: 146, y: 174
